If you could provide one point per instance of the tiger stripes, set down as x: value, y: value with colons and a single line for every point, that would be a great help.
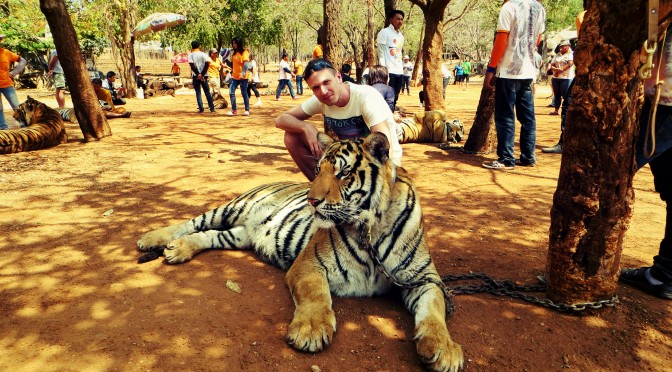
x: 316, y: 232
x: 45, y: 129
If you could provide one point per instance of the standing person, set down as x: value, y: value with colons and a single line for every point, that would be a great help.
x: 390, y: 45
x: 378, y: 79
x: 56, y: 73
x: 239, y: 67
x: 214, y: 70
x: 459, y: 73
x: 175, y: 70
x: 445, y: 73
x: 284, y: 76
x: 562, y: 66
x: 657, y: 152
x: 199, y: 63
x: 512, y: 60
x: 252, y: 85
x: 466, y: 71
x: 408, y: 70
x: 298, y: 72
x: 350, y: 110
x: 6, y: 75
x: 318, y: 51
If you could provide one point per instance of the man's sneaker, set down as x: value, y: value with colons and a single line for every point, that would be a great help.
x: 246, y: 113
x: 258, y: 104
x: 638, y: 278
x: 232, y: 113
x: 525, y: 163
x: 497, y: 165
x: 557, y: 149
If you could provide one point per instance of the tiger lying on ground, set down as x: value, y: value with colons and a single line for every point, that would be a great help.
x: 319, y: 233
x: 45, y: 129
x: 429, y: 127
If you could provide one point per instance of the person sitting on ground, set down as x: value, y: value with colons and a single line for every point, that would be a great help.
x: 116, y: 93
x: 378, y: 79
x: 139, y: 79
x: 350, y: 111
x: 345, y: 73
x: 105, y: 97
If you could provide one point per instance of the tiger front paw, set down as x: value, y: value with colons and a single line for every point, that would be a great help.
x: 312, y: 329
x: 156, y: 239
x: 181, y: 250
x: 440, y: 353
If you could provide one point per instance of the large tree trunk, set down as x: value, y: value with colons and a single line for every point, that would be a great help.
x: 418, y: 57
x: 332, y: 48
x: 89, y: 114
x: 124, y: 43
x: 482, y: 136
x: 592, y: 204
x: 432, y: 49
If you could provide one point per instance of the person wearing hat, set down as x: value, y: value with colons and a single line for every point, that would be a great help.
x: 284, y: 76
x: 562, y: 67
x: 6, y: 75
x: 408, y: 70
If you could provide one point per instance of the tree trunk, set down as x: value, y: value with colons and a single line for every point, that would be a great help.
x: 482, y: 136
x: 332, y: 48
x: 370, y: 40
x: 592, y: 204
x: 125, y: 43
x: 88, y: 111
x: 418, y: 57
x: 432, y: 48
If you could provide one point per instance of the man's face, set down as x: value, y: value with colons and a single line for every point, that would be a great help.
x: 564, y: 49
x: 397, y: 21
x: 112, y: 79
x: 326, y: 85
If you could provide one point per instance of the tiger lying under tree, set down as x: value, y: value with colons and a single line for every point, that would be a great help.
x: 45, y: 129
x: 360, y: 215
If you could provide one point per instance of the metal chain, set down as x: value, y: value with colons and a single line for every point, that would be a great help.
x: 489, y: 285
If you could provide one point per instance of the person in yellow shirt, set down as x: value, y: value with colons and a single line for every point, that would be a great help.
x: 214, y: 70
x: 239, y: 65
x: 317, y: 52
x: 298, y: 71
x: 105, y: 98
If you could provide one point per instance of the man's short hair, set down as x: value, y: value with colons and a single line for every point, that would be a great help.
x: 110, y: 74
x: 97, y: 81
x: 394, y: 12
x: 346, y: 68
x: 195, y: 44
x: 317, y: 64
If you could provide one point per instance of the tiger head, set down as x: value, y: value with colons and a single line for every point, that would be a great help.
x: 27, y: 110
x: 353, y: 179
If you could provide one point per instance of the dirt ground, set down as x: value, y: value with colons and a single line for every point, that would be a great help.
x: 74, y: 298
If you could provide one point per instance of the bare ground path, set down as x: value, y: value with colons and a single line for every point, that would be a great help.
x: 74, y: 299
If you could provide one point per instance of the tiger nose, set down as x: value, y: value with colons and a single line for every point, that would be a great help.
x: 314, y: 202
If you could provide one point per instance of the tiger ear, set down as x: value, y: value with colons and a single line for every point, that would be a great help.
x: 378, y: 146
x: 324, y: 140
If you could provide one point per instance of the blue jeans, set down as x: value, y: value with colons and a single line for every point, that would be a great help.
x: 396, y: 82
x: 299, y: 85
x: 661, y: 167
x: 407, y: 84
x: 243, y: 90
x: 198, y: 85
x: 281, y: 86
x: 446, y: 81
x: 510, y: 94
x: 10, y: 95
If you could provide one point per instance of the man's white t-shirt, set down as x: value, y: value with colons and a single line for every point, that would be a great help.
x: 253, y: 67
x: 390, y: 43
x: 524, y: 21
x: 282, y: 74
x: 366, y: 108
x: 199, y: 59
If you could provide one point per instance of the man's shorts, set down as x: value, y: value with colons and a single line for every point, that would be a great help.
x: 59, y: 81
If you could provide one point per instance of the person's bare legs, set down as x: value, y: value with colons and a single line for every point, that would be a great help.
x: 300, y: 153
x: 60, y: 97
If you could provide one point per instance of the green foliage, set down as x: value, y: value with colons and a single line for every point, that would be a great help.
x: 561, y: 14
x: 24, y: 28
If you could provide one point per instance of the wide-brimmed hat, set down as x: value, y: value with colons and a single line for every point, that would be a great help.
x: 2, y: 36
x: 213, y: 50
x: 564, y: 42
x: 406, y: 57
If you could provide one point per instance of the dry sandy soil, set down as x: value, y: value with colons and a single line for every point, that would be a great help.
x: 73, y: 297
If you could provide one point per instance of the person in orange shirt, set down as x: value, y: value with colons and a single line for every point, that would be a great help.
x: 214, y: 70
x: 105, y: 98
x: 6, y: 83
x: 239, y: 64
x: 317, y: 52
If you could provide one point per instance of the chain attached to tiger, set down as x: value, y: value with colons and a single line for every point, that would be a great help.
x: 313, y: 230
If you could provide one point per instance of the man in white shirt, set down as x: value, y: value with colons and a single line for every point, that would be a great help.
x: 199, y: 63
x: 350, y: 110
x: 390, y: 44
x: 284, y: 77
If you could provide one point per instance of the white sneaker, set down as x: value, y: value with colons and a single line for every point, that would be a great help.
x: 246, y: 113
x: 258, y: 103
